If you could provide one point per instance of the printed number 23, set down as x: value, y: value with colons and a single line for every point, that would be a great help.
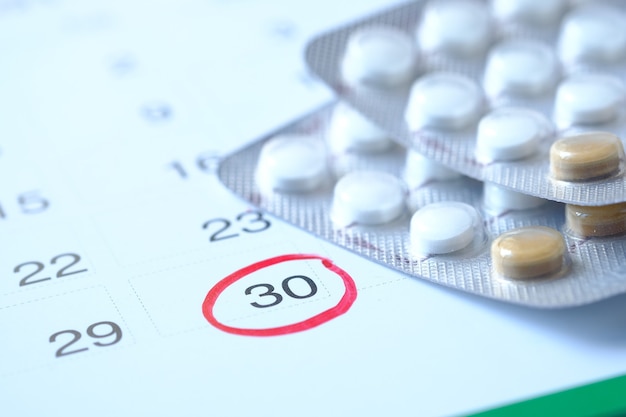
x: 253, y: 222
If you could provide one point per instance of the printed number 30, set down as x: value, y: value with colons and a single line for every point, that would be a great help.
x: 278, y: 298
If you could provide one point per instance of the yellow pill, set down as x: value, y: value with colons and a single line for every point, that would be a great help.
x: 528, y: 252
x: 588, y: 221
x: 586, y: 156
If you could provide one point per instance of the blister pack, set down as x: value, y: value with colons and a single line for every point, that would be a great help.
x: 338, y: 176
x: 528, y: 94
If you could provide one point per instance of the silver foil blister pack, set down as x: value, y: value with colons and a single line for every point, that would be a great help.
x: 592, y: 268
x: 486, y: 88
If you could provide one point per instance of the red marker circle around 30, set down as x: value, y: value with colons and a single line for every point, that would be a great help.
x: 340, y: 308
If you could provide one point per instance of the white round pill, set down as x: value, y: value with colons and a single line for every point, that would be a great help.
x: 418, y: 170
x: 508, y: 134
x: 588, y: 99
x: 523, y: 67
x: 445, y: 227
x: 292, y: 163
x: 349, y: 130
x: 497, y: 198
x: 379, y: 56
x: 443, y: 100
x: 455, y: 27
x: 533, y: 12
x: 593, y: 33
x: 367, y: 197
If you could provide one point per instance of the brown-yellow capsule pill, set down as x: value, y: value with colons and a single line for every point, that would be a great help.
x: 589, y: 221
x: 528, y: 252
x: 586, y: 156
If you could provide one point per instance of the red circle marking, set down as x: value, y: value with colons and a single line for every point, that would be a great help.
x: 342, y: 306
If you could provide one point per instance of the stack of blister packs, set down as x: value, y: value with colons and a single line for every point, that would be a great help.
x: 474, y: 144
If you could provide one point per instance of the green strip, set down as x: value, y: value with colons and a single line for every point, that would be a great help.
x: 601, y: 399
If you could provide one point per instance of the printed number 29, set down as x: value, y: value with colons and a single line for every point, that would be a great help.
x: 110, y: 329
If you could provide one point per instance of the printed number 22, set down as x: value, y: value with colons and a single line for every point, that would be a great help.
x: 63, y: 272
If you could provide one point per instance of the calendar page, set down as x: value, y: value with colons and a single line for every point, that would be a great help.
x: 134, y: 283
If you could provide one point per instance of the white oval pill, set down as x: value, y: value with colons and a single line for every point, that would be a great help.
x: 508, y: 134
x: 379, y: 56
x: 418, y: 170
x: 445, y: 227
x: 367, y: 197
x: 534, y: 12
x: 593, y: 33
x: 497, y: 198
x: 455, y: 27
x: 292, y: 163
x: 443, y: 100
x: 523, y: 67
x: 588, y: 98
x: 349, y: 130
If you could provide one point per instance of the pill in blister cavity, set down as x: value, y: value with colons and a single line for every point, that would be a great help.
x: 293, y: 163
x: 455, y: 27
x: 596, y: 221
x: 441, y: 228
x: 349, y: 130
x: 443, y: 100
x: 586, y: 156
x: 379, y: 56
x: 498, y: 199
x: 528, y: 252
x: 588, y: 99
x: 508, y: 134
x: 593, y: 33
x: 523, y: 67
x: 534, y: 12
x: 368, y: 198
x: 419, y: 170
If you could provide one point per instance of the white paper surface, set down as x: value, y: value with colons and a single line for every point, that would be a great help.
x: 112, y: 117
